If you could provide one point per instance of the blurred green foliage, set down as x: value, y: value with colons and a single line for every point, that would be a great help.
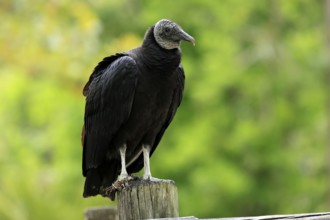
x: 250, y: 137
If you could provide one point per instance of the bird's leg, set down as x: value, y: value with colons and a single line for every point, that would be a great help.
x: 122, y: 178
x: 146, y: 159
x: 123, y: 174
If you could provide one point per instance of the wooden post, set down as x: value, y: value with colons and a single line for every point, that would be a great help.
x: 141, y: 199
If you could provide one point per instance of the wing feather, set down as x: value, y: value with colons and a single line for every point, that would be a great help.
x: 99, y: 69
x: 109, y: 97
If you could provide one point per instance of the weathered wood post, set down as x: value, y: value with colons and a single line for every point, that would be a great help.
x: 141, y: 199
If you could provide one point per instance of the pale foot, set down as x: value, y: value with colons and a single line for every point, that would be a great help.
x: 124, y: 177
x: 151, y: 179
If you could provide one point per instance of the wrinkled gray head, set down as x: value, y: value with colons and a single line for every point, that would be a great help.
x: 168, y: 34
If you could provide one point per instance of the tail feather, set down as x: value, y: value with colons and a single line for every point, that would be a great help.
x: 92, y: 183
x: 98, y: 179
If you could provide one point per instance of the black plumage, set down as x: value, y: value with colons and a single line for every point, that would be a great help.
x: 131, y: 98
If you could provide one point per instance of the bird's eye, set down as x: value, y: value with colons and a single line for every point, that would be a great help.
x: 167, y: 29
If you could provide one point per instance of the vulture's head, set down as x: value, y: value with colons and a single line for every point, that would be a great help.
x: 169, y: 35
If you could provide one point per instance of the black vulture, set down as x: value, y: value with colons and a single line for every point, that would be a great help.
x: 131, y: 98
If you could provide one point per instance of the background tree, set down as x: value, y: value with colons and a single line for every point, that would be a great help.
x: 251, y: 134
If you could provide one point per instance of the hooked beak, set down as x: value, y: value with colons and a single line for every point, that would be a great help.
x: 186, y: 37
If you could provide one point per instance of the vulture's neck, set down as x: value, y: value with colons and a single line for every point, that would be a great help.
x: 157, y: 57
